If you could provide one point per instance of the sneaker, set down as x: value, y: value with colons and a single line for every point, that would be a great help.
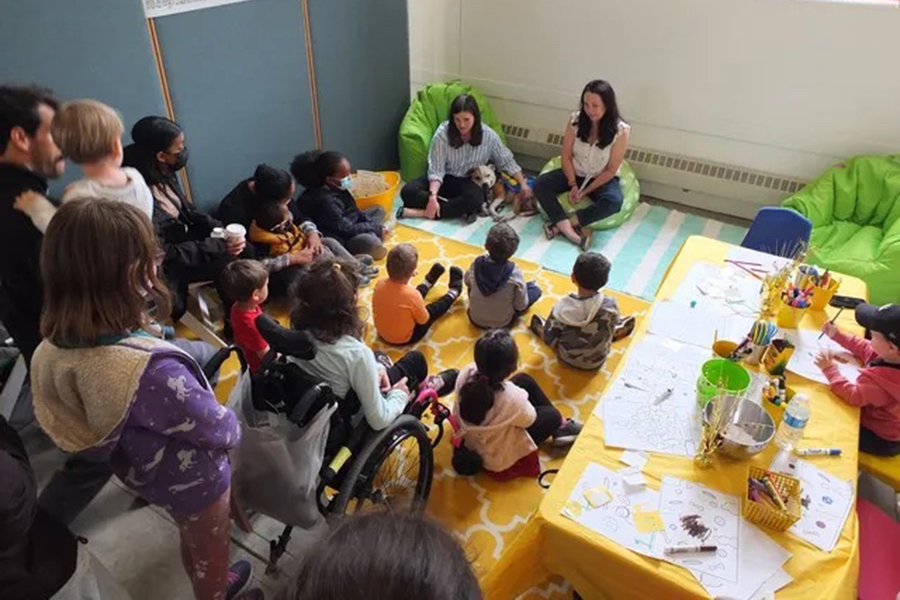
x: 364, y: 259
x: 370, y: 271
x: 434, y: 273
x: 443, y: 383
x: 470, y: 218
x: 537, y: 326
x: 623, y: 328
x: 364, y: 279
x: 238, y: 577
x: 566, y: 434
x: 384, y: 360
x: 254, y: 594
x: 456, y: 279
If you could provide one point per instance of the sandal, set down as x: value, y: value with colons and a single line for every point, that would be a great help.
x: 584, y: 242
x: 550, y: 231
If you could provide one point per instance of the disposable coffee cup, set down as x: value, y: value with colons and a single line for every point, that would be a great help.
x: 235, y: 233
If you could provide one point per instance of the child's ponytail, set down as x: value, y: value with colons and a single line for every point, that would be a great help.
x: 496, y: 358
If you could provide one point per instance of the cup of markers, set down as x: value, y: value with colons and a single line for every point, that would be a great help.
x: 760, y: 336
x: 793, y: 304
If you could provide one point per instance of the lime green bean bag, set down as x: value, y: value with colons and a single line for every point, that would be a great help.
x: 430, y: 108
x: 855, y: 213
x: 631, y: 192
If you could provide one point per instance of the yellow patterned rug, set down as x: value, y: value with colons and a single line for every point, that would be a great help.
x: 487, y: 515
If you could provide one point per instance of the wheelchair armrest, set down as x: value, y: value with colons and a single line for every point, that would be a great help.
x: 212, y: 366
x: 286, y: 341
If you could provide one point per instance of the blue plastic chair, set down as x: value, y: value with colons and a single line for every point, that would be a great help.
x: 778, y: 231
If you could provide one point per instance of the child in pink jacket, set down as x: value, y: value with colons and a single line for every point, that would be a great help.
x: 877, y: 391
x: 500, y: 421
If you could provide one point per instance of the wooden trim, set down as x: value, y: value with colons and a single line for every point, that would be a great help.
x: 164, y: 84
x: 311, y: 67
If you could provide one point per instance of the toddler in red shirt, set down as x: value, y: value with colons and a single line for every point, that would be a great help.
x: 247, y: 281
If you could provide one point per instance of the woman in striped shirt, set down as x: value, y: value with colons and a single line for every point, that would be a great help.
x: 460, y: 144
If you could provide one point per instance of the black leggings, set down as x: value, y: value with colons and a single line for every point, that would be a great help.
x: 436, y: 310
x: 870, y: 443
x: 463, y: 196
x: 413, y: 366
x: 548, y: 418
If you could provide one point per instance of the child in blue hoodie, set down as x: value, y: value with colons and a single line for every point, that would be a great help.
x: 498, y: 293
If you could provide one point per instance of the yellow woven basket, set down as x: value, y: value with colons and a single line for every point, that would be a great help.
x: 767, y: 516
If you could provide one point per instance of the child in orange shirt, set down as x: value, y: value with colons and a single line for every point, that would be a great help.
x: 399, y: 310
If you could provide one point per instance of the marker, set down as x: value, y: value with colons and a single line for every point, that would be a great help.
x: 819, y: 452
x: 663, y: 396
x: 689, y: 549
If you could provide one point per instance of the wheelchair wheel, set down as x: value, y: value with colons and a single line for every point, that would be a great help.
x: 392, y: 472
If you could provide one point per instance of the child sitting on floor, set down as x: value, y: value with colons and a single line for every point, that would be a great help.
x: 247, y: 283
x: 89, y: 133
x: 498, y: 293
x: 877, y: 390
x: 399, y: 310
x: 275, y: 229
x: 582, y: 327
x: 501, y: 422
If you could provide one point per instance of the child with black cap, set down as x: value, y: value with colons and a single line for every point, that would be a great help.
x: 877, y: 390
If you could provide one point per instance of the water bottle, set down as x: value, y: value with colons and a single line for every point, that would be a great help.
x: 796, y: 416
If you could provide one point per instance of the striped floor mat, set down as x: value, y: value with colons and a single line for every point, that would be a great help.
x: 640, y: 250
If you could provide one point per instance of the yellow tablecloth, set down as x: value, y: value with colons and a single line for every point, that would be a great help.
x: 598, y: 568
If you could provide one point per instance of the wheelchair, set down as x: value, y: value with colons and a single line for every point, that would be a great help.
x: 363, y: 470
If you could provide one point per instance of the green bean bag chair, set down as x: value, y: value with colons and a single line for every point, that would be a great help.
x: 631, y: 192
x: 430, y: 108
x: 855, y: 213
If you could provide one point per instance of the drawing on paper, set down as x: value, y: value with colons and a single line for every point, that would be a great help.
x: 614, y: 519
x: 694, y: 514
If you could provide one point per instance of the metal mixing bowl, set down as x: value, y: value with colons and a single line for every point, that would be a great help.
x: 749, y: 417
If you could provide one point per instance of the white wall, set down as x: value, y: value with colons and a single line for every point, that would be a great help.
x: 783, y: 86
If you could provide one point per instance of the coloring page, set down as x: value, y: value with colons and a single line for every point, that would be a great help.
x: 666, y: 428
x: 697, y: 326
x: 695, y: 515
x: 826, y: 501
x: 651, y: 405
x: 717, y: 290
x: 807, y: 345
x: 614, y: 518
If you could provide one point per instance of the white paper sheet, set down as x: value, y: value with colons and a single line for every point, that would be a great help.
x: 634, y: 418
x: 696, y: 326
x: 161, y: 8
x: 827, y: 501
x: 807, y: 346
x: 614, y: 520
x: 697, y: 515
x: 760, y: 559
x: 634, y: 459
x: 767, y: 590
x: 720, y: 290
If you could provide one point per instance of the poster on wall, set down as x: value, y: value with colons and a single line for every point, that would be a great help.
x: 161, y: 8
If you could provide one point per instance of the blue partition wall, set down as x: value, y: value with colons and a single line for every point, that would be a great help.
x: 239, y: 84
x: 238, y: 75
x: 101, y: 50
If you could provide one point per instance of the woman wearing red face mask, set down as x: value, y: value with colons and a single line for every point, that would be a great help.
x: 593, y: 149
x: 460, y: 144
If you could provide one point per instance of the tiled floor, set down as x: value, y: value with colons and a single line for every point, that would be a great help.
x: 140, y: 547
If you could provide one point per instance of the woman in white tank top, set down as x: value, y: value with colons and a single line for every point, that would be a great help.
x: 593, y: 149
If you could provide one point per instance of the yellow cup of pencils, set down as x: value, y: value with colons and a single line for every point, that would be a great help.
x: 789, y: 316
x: 821, y: 296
